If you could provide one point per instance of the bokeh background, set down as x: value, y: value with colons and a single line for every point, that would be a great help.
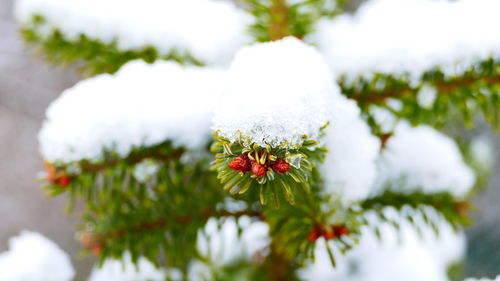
x: 28, y: 85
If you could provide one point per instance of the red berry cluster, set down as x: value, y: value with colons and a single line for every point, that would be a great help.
x: 93, y: 242
x: 244, y: 164
x: 335, y: 232
x: 55, y: 176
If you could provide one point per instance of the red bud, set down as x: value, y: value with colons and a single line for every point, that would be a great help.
x: 340, y: 230
x: 280, y: 166
x: 258, y: 169
x: 313, y: 235
x: 240, y: 163
x: 63, y: 181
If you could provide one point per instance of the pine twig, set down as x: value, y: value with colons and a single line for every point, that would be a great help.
x: 443, y: 87
x: 279, y: 20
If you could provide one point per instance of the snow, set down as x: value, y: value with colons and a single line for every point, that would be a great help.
x: 410, y: 36
x: 141, y: 105
x: 277, y: 92
x: 350, y: 167
x: 32, y: 257
x: 125, y: 270
x: 211, y: 31
x: 421, y: 158
x: 402, y: 255
x: 220, y: 244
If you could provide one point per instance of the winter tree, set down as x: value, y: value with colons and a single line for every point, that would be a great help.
x: 265, y: 139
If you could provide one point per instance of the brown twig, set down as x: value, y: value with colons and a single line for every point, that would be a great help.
x: 88, y: 167
x: 279, y: 20
x: 443, y: 87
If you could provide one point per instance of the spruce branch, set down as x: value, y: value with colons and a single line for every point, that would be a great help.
x: 275, y: 171
x: 185, y: 219
x: 453, y: 211
x: 91, y: 56
x: 75, y: 173
x: 443, y: 87
x: 475, y: 91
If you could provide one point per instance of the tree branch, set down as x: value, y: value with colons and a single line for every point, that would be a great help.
x: 88, y: 167
x: 443, y: 87
x: 279, y: 20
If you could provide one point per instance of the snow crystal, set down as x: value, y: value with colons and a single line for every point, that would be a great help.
x: 223, y: 245
x: 399, y: 255
x: 125, y: 270
x: 212, y: 31
x: 350, y: 166
x: 277, y: 92
x: 410, y: 36
x: 141, y: 105
x: 32, y: 257
x: 422, y: 158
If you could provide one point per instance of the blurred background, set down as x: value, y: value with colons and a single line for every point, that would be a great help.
x: 28, y: 85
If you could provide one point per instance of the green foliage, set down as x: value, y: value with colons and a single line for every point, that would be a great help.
x: 272, y: 185
x: 314, y: 215
x: 90, y: 55
x: 156, y: 215
x: 475, y: 91
x: 295, y: 19
x: 453, y: 211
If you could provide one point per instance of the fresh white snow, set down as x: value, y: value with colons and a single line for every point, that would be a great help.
x: 410, y: 36
x: 421, y: 158
x: 399, y: 255
x: 210, y: 30
x: 350, y: 167
x: 141, y: 105
x: 277, y: 92
x: 33, y: 257
x: 125, y: 270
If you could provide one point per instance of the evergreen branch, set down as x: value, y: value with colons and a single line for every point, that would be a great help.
x: 162, y: 222
x: 157, y: 218
x: 134, y: 158
x: 443, y: 87
x: 275, y: 171
x: 455, y: 212
x: 91, y: 55
x: 61, y: 176
x: 435, y: 99
x: 295, y: 229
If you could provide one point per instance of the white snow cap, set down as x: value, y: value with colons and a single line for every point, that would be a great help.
x: 125, y: 270
x: 400, y: 255
x: 221, y: 246
x: 277, y: 92
x: 421, y: 158
x: 350, y: 167
x: 141, y: 105
x: 32, y: 257
x: 211, y: 31
x: 410, y: 36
